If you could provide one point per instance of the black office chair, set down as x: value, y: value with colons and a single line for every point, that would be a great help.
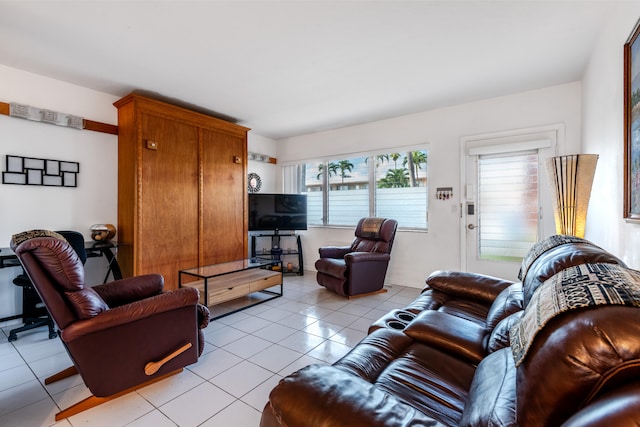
x: 34, y: 313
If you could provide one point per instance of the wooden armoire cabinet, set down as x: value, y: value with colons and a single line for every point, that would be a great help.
x: 182, y: 192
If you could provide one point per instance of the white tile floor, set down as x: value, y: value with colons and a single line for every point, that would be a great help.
x: 246, y: 354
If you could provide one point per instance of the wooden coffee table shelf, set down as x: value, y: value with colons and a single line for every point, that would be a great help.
x: 220, y: 283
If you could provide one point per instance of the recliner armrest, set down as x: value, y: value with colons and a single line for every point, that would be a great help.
x: 129, y: 313
x: 354, y: 257
x: 472, y: 286
x: 131, y: 289
x: 334, y: 251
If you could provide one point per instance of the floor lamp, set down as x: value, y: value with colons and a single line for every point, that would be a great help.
x: 570, y: 178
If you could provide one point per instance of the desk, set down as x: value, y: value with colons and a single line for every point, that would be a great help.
x: 94, y: 250
x: 97, y: 249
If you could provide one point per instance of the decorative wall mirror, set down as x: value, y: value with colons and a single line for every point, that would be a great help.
x: 254, y: 183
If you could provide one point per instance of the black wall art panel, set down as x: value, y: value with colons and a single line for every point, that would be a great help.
x: 31, y: 171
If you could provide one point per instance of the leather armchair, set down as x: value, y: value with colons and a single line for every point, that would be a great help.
x: 120, y: 335
x: 361, y: 267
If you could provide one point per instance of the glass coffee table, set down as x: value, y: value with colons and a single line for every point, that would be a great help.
x: 220, y: 283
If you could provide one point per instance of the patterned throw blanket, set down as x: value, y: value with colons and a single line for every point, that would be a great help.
x: 583, y: 286
x: 371, y: 227
x: 18, y: 238
x: 541, y: 247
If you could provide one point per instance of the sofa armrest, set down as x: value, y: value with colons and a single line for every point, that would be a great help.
x: 128, y: 313
x: 355, y: 257
x: 334, y: 251
x: 472, y: 286
x: 451, y: 334
x: 125, y: 291
x: 491, y: 400
x: 322, y: 395
x: 615, y: 408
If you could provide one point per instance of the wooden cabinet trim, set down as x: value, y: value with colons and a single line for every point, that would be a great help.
x: 194, y: 118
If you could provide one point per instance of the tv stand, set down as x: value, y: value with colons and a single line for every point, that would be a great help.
x: 276, y: 252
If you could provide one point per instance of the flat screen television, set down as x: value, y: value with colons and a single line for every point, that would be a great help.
x: 273, y: 212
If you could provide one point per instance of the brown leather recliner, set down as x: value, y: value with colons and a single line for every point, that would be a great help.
x: 120, y: 335
x: 361, y: 267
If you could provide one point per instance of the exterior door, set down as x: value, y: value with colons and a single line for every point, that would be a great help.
x: 505, y: 200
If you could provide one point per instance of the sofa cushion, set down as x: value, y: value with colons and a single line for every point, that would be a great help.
x: 432, y: 381
x: 374, y: 353
x: 500, y: 336
x: 451, y: 334
x: 506, y: 303
x: 86, y: 302
x: 492, y: 396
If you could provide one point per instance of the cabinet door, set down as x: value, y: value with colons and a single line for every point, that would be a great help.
x: 168, y: 194
x: 224, y: 216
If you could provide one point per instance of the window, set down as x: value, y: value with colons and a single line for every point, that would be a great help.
x: 341, y: 190
x: 507, y: 204
x: 348, y: 190
x: 401, y: 190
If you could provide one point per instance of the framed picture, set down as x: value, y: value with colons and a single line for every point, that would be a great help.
x: 632, y: 126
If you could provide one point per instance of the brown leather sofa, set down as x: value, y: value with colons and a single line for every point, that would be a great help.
x: 468, y: 352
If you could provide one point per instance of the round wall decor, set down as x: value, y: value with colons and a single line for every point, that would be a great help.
x: 254, y: 183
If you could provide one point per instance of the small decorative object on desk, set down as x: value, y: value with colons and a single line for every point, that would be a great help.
x: 103, y: 232
x: 289, y: 267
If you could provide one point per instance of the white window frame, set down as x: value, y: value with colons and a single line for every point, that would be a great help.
x: 288, y: 178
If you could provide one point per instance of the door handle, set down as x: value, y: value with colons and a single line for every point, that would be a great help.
x: 471, y: 226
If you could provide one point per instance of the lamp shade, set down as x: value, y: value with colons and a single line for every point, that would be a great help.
x: 570, y: 178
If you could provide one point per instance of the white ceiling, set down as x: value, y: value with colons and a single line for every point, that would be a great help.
x: 286, y: 68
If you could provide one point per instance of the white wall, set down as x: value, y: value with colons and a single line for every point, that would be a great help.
x: 415, y: 255
x: 267, y: 171
x: 603, y: 132
x: 54, y: 207
x: 27, y: 207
